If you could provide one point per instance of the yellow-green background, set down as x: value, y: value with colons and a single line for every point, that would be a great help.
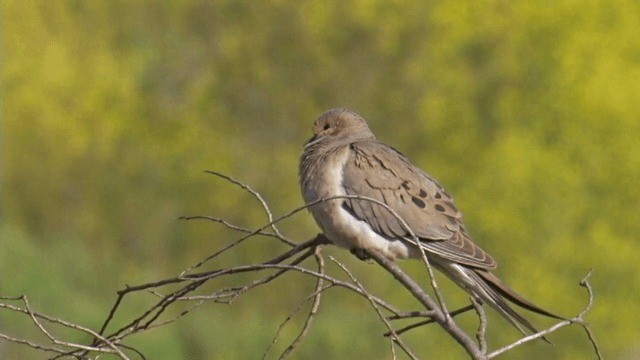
x: 527, y: 111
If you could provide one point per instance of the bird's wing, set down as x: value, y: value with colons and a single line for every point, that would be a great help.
x: 375, y: 170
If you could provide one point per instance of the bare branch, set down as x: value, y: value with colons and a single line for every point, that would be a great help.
x: 482, y: 324
x: 188, y: 287
x: 259, y: 198
x: 394, y: 338
x: 314, y: 308
x: 316, y: 296
x: 577, y: 320
x: 585, y: 283
x: 111, y: 347
x: 449, y: 326
x: 229, y: 225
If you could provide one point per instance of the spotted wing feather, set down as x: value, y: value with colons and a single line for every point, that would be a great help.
x: 377, y: 171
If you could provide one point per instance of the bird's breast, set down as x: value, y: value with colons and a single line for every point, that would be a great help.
x: 322, y: 179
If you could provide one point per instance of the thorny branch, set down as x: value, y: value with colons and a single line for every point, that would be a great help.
x: 185, y: 287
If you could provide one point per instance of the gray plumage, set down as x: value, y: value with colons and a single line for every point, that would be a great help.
x: 344, y: 159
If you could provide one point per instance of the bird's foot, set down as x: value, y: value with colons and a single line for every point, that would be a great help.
x: 323, y: 239
x: 360, y: 253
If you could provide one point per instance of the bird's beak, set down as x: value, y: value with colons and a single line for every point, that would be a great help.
x: 311, y: 141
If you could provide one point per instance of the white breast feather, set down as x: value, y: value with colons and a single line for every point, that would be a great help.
x: 342, y: 227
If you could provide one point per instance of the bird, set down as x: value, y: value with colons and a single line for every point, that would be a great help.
x: 346, y: 175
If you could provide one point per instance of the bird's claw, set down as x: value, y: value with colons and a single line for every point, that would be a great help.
x: 360, y: 253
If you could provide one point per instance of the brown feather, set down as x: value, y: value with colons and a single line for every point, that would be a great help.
x: 419, y: 200
x: 344, y: 158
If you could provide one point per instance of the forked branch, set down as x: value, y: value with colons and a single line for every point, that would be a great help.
x: 188, y: 288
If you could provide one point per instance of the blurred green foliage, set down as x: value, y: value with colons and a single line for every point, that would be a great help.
x: 527, y: 112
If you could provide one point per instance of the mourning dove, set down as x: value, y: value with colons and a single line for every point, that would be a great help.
x: 343, y: 159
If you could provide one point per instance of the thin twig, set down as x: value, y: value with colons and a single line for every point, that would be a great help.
x: 145, y: 320
x: 585, y: 283
x: 314, y: 308
x: 31, y: 344
x: 185, y: 286
x: 35, y: 316
x: 250, y: 235
x: 482, y: 324
x: 577, y: 320
x: 159, y: 307
x: 434, y: 284
x: 231, y: 226
x: 257, y: 196
x: 290, y: 316
x: 429, y: 321
x: 411, y: 238
x: 449, y: 326
x: 393, y: 336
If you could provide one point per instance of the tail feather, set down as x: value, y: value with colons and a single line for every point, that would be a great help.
x: 493, y: 298
x: 488, y: 288
x: 513, y: 296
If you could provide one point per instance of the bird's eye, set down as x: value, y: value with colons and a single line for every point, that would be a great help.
x: 326, y: 126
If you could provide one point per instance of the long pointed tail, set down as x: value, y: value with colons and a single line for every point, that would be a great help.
x: 491, y: 290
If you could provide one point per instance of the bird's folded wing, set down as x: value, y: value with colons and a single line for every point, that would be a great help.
x: 375, y: 170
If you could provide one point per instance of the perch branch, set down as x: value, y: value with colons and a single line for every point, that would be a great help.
x: 187, y: 288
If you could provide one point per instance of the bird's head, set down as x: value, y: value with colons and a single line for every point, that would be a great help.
x: 340, y: 125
